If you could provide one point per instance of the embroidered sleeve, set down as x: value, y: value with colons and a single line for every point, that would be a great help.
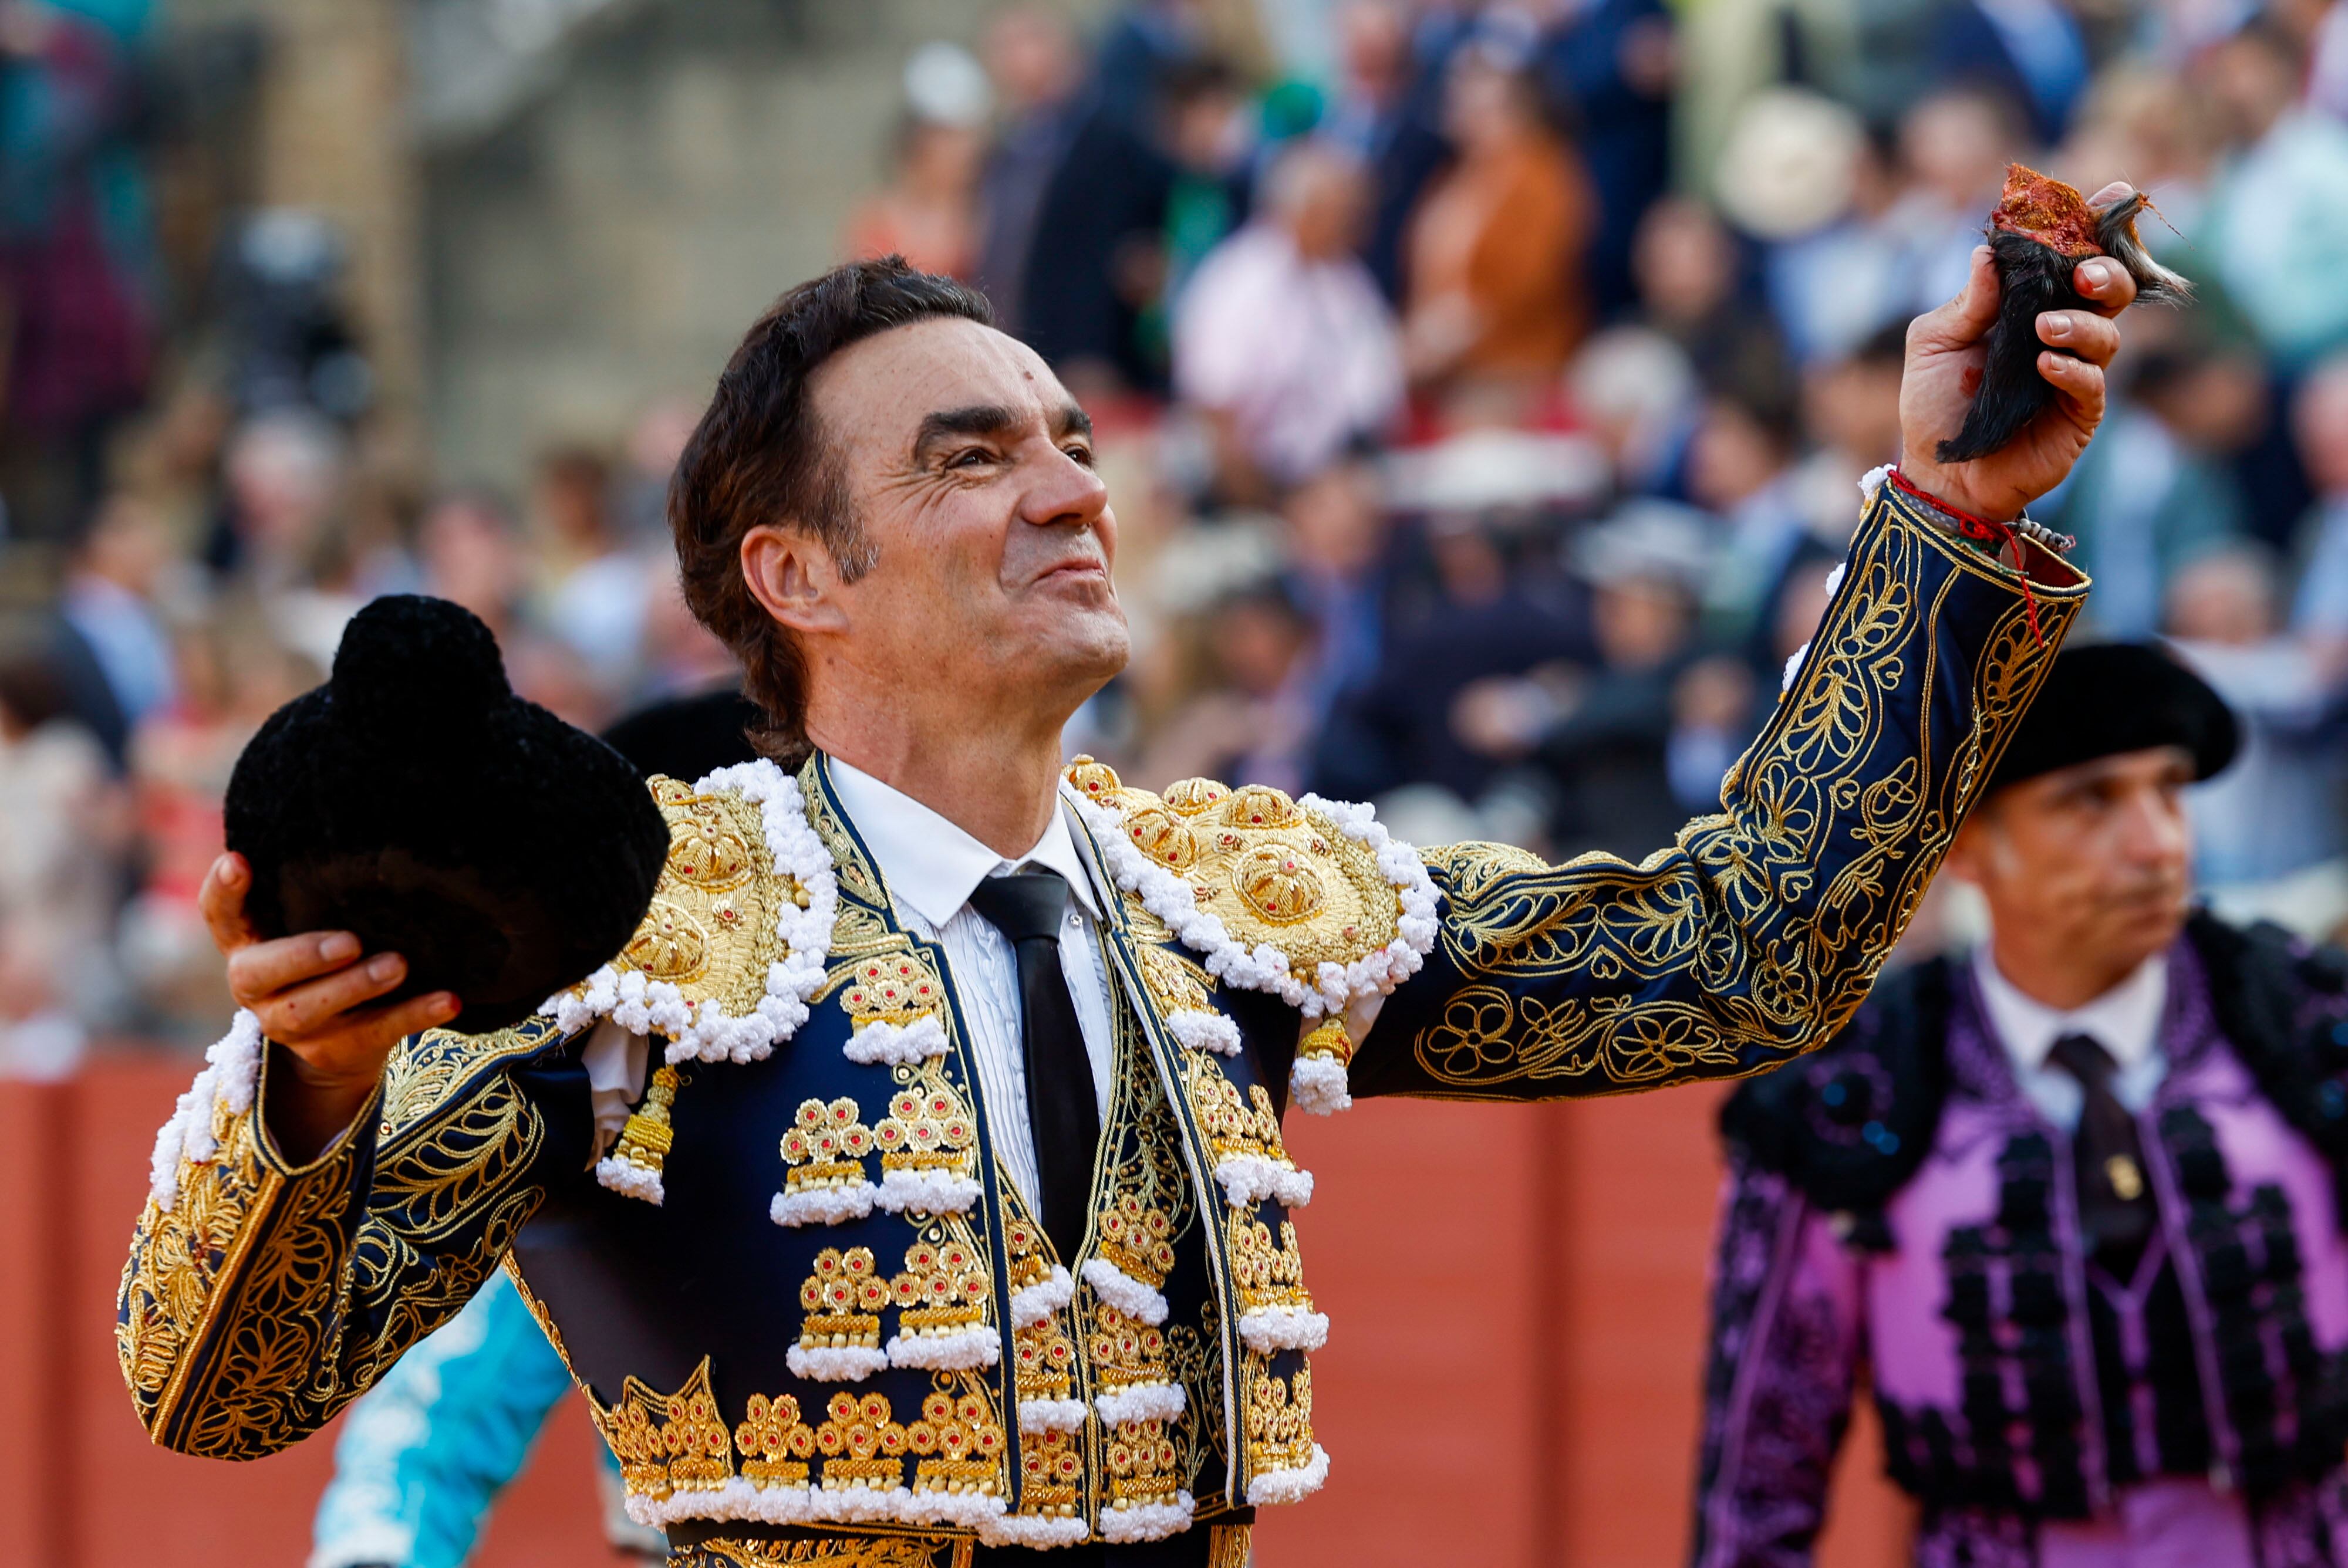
x: 1784, y: 1351
x: 1757, y: 933
x: 261, y: 1298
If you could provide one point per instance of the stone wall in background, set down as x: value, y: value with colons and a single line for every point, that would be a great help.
x: 606, y: 243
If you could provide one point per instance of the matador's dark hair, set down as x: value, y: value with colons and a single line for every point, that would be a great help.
x: 759, y: 455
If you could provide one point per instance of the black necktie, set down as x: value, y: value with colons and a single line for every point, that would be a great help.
x: 1027, y: 908
x: 2116, y: 1205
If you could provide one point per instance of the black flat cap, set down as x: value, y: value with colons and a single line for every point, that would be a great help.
x: 2102, y: 699
x: 414, y: 801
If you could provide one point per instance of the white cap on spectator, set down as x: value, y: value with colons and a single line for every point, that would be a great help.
x: 1789, y: 165
x: 945, y: 85
x: 1479, y: 469
x: 1649, y: 540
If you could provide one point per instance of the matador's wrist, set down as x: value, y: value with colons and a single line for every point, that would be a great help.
x: 1989, y: 534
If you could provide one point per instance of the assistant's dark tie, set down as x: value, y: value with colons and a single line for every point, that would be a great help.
x: 1027, y: 908
x: 2116, y: 1205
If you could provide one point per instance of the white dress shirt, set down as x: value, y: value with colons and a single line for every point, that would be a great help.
x: 2124, y: 1021
x: 931, y: 866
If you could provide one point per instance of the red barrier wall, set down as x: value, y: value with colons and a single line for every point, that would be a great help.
x: 1518, y: 1295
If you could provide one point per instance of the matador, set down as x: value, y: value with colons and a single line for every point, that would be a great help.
x: 910, y: 1188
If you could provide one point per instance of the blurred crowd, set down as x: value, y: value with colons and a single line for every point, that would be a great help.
x: 1483, y: 388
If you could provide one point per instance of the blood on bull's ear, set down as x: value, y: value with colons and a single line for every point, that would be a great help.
x: 2041, y: 229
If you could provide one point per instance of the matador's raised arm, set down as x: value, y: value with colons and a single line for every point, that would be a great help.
x: 1757, y: 933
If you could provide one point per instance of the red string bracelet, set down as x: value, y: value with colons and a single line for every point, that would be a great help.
x: 1980, y: 530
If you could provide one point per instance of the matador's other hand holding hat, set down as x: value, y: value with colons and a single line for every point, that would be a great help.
x: 416, y: 802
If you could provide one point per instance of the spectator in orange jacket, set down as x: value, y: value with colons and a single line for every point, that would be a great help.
x: 1495, y: 286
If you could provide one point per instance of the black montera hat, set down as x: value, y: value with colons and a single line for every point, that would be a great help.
x: 2104, y: 697
x: 414, y: 801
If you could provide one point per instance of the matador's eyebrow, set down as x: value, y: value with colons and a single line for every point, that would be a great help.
x: 993, y: 419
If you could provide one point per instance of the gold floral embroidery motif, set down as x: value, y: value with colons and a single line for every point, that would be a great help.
x: 891, y: 1551
x: 1268, y: 1276
x: 843, y: 1300
x: 1051, y: 1470
x: 668, y: 1444
x: 1144, y: 1465
x: 827, y: 1146
x: 895, y: 987
x: 927, y: 1129
x: 1279, y: 1419
x: 1174, y: 982
x: 959, y: 1446
x: 777, y: 1446
x: 1044, y: 1359
x: 1135, y: 1237
x: 943, y: 1289
x: 1127, y: 1352
x: 1234, y: 1128
x: 861, y: 1446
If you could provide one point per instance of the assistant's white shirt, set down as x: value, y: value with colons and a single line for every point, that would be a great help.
x: 2125, y: 1020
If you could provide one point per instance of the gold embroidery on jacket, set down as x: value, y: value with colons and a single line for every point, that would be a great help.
x: 667, y: 1443
x: 855, y: 876
x: 928, y: 1128
x: 1234, y: 1128
x: 1279, y: 1417
x: 1135, y: 1237
x: 1268, y: 868
x: 1268, y: 1275
x: 849, y: 1549
x: 893, y: 988
x: 827, y: 1146
x: 710, y: 928
x: 777, y: 1446
x: 842, y: 1301
x: 944, y: 1286
x: 1175, y: 983
x: 1043, y: 1368
x: 1146, y: 1204
x: 177, y: 1258
x: 958, y: 1444
x: 862, y: 1445
x: 275, y: 1373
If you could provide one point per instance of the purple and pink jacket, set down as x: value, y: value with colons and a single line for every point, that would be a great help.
x: 1897, y: 1205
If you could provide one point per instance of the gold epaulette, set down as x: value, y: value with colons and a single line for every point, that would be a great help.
x: 732, y: 946
x: 1308, y: 899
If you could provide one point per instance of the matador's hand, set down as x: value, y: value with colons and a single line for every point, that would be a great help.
x: 312, y: 995
x: 1945, y: 355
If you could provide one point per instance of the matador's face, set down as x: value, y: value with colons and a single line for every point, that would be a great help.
x: 971, y: 470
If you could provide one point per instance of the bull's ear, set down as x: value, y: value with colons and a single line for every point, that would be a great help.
x: 2115, y: 232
